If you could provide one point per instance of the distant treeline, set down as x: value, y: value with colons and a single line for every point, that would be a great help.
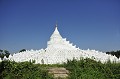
x: 116, y: 53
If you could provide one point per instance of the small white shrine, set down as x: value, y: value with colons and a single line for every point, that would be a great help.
x: 60, y: 50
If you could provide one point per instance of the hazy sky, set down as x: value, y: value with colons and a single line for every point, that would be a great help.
x: 28, y: 24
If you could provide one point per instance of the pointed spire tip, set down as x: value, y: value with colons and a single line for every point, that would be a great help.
x: 56, y: 25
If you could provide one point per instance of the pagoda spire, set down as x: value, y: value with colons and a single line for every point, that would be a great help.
x: 56, y: 25
x: 56, y: 28
x: 56, y: 33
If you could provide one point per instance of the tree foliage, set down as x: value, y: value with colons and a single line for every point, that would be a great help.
x: 23, y: 70
x: 90, y: 69
x: 82, y: 69
x: 22, y: 50
x: 4, y: 53
x: 116, y: 53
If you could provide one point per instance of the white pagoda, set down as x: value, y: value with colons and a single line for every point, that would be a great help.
x: 57, y: 42
x: 60, y: 50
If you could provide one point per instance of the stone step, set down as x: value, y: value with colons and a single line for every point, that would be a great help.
x: 58, y: 72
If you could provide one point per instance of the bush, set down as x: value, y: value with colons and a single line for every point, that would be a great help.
x: 90, y: 69
x: 23, y: 70
x: 82, y: 69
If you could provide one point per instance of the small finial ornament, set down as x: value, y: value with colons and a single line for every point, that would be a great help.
x: 56, y: 24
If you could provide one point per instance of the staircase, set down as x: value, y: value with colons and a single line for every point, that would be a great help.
x: 58, y: 72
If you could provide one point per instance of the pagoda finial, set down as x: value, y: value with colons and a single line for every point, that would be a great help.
x: 56, y: 25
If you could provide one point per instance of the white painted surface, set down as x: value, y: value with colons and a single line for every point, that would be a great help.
x: 58, y: 51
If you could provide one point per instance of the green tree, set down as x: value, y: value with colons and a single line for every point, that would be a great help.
x: 116, y: 53
x: 1, y: 54
x: 1, y: 50
x: 4, y: 53
x: 22, y: 50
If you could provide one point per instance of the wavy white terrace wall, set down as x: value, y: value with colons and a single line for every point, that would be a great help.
x: 58, y: 51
